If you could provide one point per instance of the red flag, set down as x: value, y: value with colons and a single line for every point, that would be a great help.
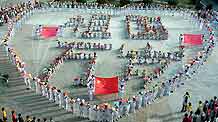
x: 193, y: 39
x: 48, y: 32
x: 105, y: 86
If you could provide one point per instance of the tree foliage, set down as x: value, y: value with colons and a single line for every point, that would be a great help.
x: 81, y: 1
x: 147, y: 1
x: 124, y: 2
x: 173, y: 2
x: 105, y: 1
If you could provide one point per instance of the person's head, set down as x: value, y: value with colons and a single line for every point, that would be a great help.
x: 19, y: 115
x: 34, y: 118
x: 44, y: 119
x: 186, y: 93
x: 200, y: 102
x: 186, y: 115
x: 191, y: 112
x: 12, y: 112
x: 38, y: 120
x: 51, y: 119
x: 27, y: 117
x: 190, y: 104
x: 3, y: 109
x: 206, y: 101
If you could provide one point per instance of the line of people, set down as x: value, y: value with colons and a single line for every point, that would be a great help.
x: 152, y: 56
x: 19, y: 118
x: 84, y: 45
x: 80, y: 5
x: 111, y: 9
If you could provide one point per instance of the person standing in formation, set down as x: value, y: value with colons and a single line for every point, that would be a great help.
x: 185, y: 102
x: 14, y: 117
x: 4, y: 115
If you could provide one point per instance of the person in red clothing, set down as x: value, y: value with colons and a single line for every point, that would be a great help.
x: 186, y: 118
x: 190, y: 117
x: 14, y: 117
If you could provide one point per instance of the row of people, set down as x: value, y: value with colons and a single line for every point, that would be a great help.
x: 77, y: 20
x: 84, y: 45
x: 48, y: 71
x: 71, y: 55
x: 19, y: 118
x: 90, y: 77
x: 80, y: 5
x: 150, y: 57
x: 99, y: 35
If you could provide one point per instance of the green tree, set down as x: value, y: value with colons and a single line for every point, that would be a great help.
x: 103, y: 1
x: 81, y: 1
x: 124, y: 2
x: 172, y: 2
x: 147, y: 1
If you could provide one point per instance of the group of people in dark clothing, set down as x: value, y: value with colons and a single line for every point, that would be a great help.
x: 206, y: 111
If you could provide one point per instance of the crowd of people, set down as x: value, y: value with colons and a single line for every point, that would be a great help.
x: 150, y: 56
x: 98, y: 27
x: 14, y: 12
x: 84, y: 45
x: 74, y: 23
x: 106, y: 112
x: 147, y: 27
x: 207, y: 111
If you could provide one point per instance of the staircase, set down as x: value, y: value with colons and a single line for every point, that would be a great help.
x: 15, y: 96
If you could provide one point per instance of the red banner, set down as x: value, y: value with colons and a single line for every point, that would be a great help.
x: 105, y: 86
x: 193, y: 39
x: 48, y: 32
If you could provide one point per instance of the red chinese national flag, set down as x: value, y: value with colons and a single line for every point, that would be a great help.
x: 105, y: 86
x: 193, y: 39
x: 48, y: 32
